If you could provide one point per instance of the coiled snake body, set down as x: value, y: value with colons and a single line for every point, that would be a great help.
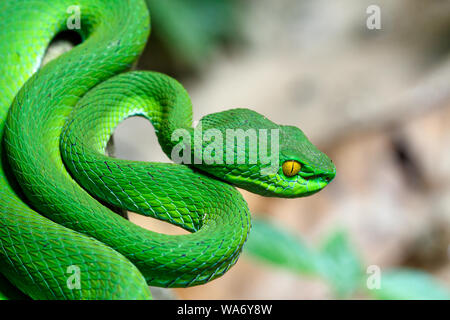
x: 59, y: 117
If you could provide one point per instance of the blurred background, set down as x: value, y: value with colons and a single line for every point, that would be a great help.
x: 376, y: 101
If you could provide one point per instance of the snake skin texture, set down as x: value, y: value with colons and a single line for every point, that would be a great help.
x: 55, y: 179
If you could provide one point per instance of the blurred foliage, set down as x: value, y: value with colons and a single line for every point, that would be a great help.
x: 411, y: 285
x: 340, y: 265
x: 274, y: 245
x: 337, y: 263
x: 191, y: 29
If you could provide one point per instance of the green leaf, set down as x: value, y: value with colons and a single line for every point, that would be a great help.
x: 272, y: 244
x: 407, y: 284
x: 337, y: 263
x: 340, y: 264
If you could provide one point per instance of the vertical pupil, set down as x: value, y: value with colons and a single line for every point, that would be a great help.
x: 290, y: 168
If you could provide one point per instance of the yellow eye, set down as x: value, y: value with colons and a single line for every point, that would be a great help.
x: 291, y: 168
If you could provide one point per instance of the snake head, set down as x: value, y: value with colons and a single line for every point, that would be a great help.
x: 262, y: 157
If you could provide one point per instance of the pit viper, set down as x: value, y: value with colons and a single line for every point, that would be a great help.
x: 59, y: 191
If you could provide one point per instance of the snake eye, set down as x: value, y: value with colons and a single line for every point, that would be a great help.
x: 291, y: 168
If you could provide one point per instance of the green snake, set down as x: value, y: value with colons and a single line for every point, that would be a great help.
x: 59, y: 192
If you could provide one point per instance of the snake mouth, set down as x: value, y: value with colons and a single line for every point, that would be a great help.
x: 301, y: 185
x: 311, y: 183
x: 288, y: 188
x: 326, y: 176
x: 320, y: 178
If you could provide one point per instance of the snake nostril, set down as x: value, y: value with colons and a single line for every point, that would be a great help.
x: 329, y: 177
